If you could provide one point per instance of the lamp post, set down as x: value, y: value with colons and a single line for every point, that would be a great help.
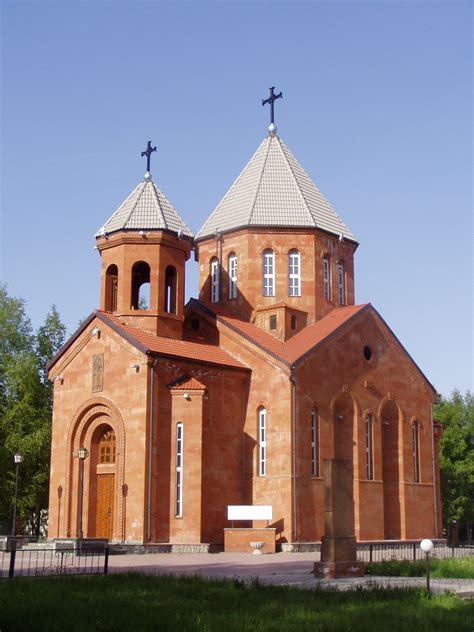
x: 427, y: 546
x: 82, y: 455
x: 18, y: 459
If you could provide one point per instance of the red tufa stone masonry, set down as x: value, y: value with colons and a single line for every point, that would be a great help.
x: 239, y: 397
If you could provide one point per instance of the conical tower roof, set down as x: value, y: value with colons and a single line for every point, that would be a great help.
x: 274, y: 190
x: 146, y: 208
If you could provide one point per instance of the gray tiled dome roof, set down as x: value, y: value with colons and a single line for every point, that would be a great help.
x: 146, y: 208
x: 274, y: 190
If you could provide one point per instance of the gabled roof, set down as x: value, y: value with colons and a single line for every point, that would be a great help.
x: 187, y: 384
x: 254, y: 334
x: 146, y: 208
x: 274, y: 190
x: 150, y: 344
x: 313, y: 335
x: 292, y: 352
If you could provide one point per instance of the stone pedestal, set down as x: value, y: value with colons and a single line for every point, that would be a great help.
x: 339, y: 547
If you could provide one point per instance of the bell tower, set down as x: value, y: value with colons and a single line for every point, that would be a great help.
x: 144, y: 247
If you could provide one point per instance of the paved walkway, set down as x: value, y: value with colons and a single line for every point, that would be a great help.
x: 289, y: 569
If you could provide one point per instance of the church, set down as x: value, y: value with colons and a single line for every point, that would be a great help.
x: 166, y: 413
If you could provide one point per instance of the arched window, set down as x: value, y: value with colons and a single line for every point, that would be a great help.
x: 314, y: 443
x: 232, y: 275
x: 262, y: 442
x: 111, y: 287
x: 107, y: 447
x: 415, y: 439
x: 170, y: 290
x: 369, y: 459
x: 215, y: 280
x: 327, y: 277
x: 268, y: 273
x: 140, y: 286
x: 179, y: 470
x: 341, y: 286
x: 294, y: 273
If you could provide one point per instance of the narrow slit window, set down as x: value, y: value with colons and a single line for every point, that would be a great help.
x: 368, y: 448
x: 341, y: 283
x: 416, y: 451
x: 262, y: 442
x: 232, y: 276
x: 314, y: 444
x: 215, y: 280
x: 179, y: 471
x: 268, y: 263
x: 326, y: 278
x: 294, y: 275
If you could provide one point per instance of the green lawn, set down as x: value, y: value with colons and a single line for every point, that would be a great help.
x: 144, y: 602
x: 456, y: 568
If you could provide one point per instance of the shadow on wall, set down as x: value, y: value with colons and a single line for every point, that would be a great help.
x: 238, y: 306
x: 223, y: 455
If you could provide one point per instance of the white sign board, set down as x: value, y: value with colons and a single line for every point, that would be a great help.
x: 249, y: 512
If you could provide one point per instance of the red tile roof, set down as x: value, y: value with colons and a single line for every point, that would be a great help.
x: 314, y: 334
x: 292, y: 350
x: 254, y: 334
x: 189, y: 385
x: 150, y: 343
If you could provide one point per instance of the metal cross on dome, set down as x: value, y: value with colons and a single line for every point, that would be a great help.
x: 271, y: 100
x: 148, y: 151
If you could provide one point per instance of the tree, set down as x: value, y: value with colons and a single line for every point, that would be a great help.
x: 456, y: 458
x: 25, y: 407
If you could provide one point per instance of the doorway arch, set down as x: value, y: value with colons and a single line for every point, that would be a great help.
x: 91, y: 422
x: 102, y: 482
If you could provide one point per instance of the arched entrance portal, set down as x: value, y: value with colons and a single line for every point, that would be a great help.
x: 389, y: 416
x: 103, y: 482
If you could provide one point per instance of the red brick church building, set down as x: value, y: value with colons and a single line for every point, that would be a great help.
x: 239, y: 396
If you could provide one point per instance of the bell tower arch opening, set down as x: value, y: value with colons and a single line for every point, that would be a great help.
x: 170, y: 290
x: 140, y: 286
x: 111, y: 288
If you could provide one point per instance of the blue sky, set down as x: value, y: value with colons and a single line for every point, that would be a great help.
x: 376, y: 107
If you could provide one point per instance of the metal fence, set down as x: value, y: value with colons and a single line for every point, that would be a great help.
x: 385, y: 551
x: 53, y: 561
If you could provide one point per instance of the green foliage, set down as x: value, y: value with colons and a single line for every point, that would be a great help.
x: 457, y: 457
x: 461, y: 568
x: 25, y: 408
x: 146, y: 602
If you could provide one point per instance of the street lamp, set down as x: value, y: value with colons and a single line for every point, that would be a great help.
x: 82, y: 455
x: 427, y: 546
x: 17, y: 459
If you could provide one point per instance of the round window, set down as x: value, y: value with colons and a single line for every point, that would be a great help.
x: 367, y: 352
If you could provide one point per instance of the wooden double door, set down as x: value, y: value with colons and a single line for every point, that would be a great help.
x: 105, y: 505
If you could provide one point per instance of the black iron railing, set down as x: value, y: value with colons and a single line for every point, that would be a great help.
x: 386, y: 551
x: 53, y: 561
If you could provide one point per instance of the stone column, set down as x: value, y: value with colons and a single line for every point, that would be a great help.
x: 339, y: 548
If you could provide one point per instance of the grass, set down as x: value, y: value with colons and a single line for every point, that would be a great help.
x: 462, y: 568
x: 146, y: 602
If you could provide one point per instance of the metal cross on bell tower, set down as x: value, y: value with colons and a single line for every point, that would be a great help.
x: 148, y: 151
x: 271, y: 100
